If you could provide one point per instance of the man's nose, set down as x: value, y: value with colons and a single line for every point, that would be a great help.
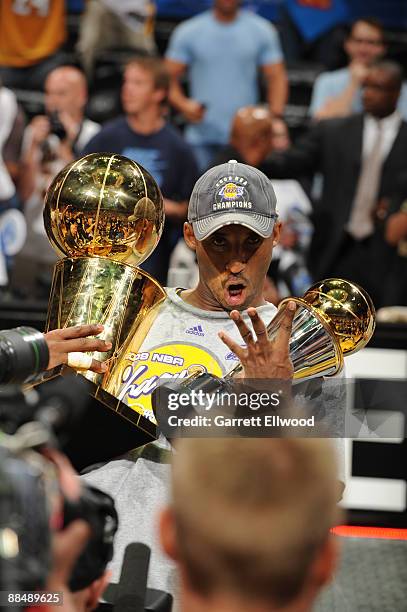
x: 236, y: 264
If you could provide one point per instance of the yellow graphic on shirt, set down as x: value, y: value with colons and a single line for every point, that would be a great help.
x: 144, y: 369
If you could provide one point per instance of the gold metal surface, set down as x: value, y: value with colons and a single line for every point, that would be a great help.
x: 105, y: 205
x: 101, y: 211
x: 335, y: 318
x: 347, y: 309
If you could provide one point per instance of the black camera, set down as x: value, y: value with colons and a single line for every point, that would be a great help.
x: 56, y: 126
x: 23, y: 355
x: 29, y: 487
x: 25, y: 554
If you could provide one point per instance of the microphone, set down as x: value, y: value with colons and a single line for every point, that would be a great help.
x: 131, y: 591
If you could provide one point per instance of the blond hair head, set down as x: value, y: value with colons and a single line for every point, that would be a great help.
x: 251, y: 514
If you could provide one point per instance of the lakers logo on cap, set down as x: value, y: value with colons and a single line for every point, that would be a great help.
x: 230, y: 191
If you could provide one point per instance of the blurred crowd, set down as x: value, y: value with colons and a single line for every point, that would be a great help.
x: 94, y: 76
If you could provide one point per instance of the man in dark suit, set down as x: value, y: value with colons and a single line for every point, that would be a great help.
x: 362, y: 159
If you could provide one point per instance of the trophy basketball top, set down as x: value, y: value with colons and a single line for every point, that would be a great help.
x: 104, y: 205
x: 347, y: 309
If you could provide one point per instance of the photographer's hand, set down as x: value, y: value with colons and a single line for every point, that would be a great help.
x: 263, y: 358
x: 75, y: 339
x: 40, y: 130
x: 67, y: 547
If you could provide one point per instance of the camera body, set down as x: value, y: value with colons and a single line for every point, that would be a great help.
x: 31, y: 500
x: 56, y: 126
x: 25, y: 557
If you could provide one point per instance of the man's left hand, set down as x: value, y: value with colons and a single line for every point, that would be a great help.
x: 263, y: 358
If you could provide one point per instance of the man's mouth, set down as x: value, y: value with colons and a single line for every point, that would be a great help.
x: 235, y: 293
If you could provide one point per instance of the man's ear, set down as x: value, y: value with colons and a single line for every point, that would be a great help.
x: 189, y: 236
x: 276, y: 233
x: 325, y: 562
x: 167, y: 533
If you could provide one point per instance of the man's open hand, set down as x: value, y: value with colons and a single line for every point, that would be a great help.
x: 263, y: 358
x: 75, y: 339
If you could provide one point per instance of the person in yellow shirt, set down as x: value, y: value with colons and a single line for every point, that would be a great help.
x: 31, y: 35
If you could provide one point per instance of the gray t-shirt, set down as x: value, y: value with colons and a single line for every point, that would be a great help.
x: 183, y: 339
x: 188, y: 337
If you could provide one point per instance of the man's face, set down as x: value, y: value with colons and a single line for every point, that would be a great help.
x: 233, y: 264
x: 365, y: 44
x: 380, y: 93
x: 64, y: 93
x: 227, y: 7
x: 138, y: 90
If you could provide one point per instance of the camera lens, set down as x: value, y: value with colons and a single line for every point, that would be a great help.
x: 23, y: 354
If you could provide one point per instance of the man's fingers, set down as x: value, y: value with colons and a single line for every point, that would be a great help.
x: 84, y: 345
x: 98, y: 366
x: 283, y: 335
x: 80, y: 331
x: 232, y: 345
x: 244, y: 331
x: 258, y: 326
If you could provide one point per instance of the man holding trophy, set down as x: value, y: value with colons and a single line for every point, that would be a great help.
x: 104, y: 213
x: 232, y: 227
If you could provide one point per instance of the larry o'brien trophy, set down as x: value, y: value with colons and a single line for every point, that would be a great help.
x: 104, y: 213
x: 333, y: 319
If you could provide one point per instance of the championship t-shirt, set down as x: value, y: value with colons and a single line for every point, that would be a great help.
x: 182, y: 340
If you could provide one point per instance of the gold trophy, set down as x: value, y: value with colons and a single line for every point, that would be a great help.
x: 102, y: 212
x: 333, y: 319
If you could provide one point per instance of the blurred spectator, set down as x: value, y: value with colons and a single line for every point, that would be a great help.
x: 222, y: 50
x: 238, y: 523
x: 50, y: 142
x: 11, y: 138
x: 71, y: 574
x: 143, y: 135
x: 112, y: 24
x: 362, y: 160
x: 254, y: 135
x: 31, y: 34
x: 339, y: 93
x: 313, y: 30
x: 12, y: 225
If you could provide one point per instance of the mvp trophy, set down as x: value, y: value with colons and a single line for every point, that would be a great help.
x: 334, y: 318
x: 102, y: 212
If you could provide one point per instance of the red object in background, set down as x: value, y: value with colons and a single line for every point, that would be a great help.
x: 323, y: 5
x: 386, y: 533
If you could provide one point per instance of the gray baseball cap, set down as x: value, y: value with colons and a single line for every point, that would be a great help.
x: 232, y: 193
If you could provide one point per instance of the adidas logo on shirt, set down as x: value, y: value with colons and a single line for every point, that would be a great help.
x: 231, y: 356
x: 196, y: 330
